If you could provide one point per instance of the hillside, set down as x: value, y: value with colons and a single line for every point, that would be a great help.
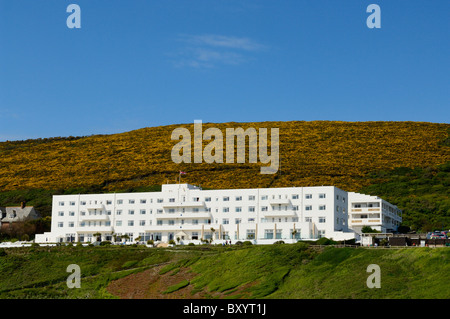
x: 290, y: 271
x: 349, y: 155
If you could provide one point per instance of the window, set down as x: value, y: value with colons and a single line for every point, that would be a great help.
x: 268, y: 233
x: 159, y: 211
x: 225, y: 221
x: 207, y: 199
x: 264, y: 208
x: 295, y: 196
x: 251, y: 209
x: 83, y: 202
x: 225, y: 209
x: 278, y: 234
x: 322, y: 219
x: 160, y: 200
x: 131, y: 201
x: 238, y: 209
x: 159, y: 222
x: 194, y: 235
x: 308, y: 196
x: 322, y: 195
x: 119, y: 212
x: 60, y: 224
x: 251, y: 197
x: 71, y: 213
x: 119, y: 201
x: 61, y: 203
x: 264, y: 197
x: 251, y: 220
x: 195, y: 222
x: 322, y: 207
x: 250, y: 234
x: 295, y: 208
x: 60, y: 213
x: 71, y: 224
x: 237, y: 221
x: 308, y: 207
x: 238, y: 198
x: 130, y: 212
x: 171, y: 200
x: 308, y: 219
x: 142, y: 223
x: 226, y: 199
x: 171, y: 210
x: 109, y: 202
x: 142, y: 211
x: 171, y: 222
x: 72, y: 203
x: 195, y: 210
x: 143, y: 201
x: 131, y: 223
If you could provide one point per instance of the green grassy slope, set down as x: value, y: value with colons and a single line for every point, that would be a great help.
x: 294, y: 271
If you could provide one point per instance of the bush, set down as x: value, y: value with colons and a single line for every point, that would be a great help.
x: 171, y: 242
x: 238, y: 243
x: 105, y: 243
x: 278, y: 242
x: 247, y: 243
x: 368, y: 229
x: 150, y: 242
x: 191, y: 244
x: 325, y: 241
x: 2, y: 252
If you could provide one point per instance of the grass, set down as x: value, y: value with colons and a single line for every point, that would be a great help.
x: 289, y: 271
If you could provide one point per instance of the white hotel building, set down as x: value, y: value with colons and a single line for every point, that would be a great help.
x: 186, y: 213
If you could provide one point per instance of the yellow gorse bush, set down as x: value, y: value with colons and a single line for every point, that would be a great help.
x: 311, y: 153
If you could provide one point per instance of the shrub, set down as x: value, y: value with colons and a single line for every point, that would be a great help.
x: 278, y: 242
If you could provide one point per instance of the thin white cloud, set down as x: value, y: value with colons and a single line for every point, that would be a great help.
x: 208, y: 51
x: 220, y: 41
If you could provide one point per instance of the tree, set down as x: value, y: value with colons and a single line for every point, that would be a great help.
x: 369, y: 230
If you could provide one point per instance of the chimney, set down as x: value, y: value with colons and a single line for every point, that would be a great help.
x: 22, y: 205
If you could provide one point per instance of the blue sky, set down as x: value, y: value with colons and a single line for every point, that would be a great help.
x: 138, y: 63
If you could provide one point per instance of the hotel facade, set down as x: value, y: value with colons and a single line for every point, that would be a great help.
x: 186, y: 213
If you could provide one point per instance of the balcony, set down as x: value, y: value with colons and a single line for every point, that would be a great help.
x: 189, y: 215
x: 197, y: 204
x: 184, y: 227
x: 95, y: 206
x: 97, y: 216
x: 95, y: 229
x: 280, y: 213
x: 280, y: 201
x: 365, y: 221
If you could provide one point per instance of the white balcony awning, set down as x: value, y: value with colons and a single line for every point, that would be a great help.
x: 184, y: 204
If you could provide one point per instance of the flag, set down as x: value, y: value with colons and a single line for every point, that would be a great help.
x: 182, y: 172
